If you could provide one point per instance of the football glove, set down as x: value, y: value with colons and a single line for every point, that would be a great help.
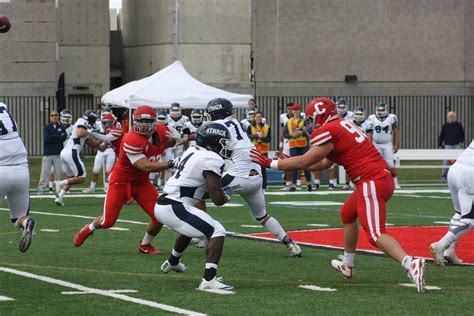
x: 281, y: 155
x: 262, y: 160
x: 229, y: 190
x: 174, y: 163
x: 174, y: 134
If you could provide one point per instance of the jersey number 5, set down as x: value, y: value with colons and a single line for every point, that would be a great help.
x: 353, y: 130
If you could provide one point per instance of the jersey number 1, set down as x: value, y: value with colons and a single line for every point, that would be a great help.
x: 353, y: 130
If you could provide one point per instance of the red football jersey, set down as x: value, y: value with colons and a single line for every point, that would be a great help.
x: 352, y: 150
x: 116, y: 132
x: 133, y: 143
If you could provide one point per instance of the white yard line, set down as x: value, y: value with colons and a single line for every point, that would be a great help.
x: 306, y: 203
x: 82, y: 288
x: 251, y: 226
x: 217, y: 291
x: 425, y: 196
x: 111, y: 291
x: 428, y: 287
x: 402, y: 191
x: 5, y: 298
x: 440, y: 222
x: 318, y: 225
x: 46, y: 230
x: 317, y: 288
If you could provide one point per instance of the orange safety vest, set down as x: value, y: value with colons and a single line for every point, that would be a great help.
x: 261, y: 147
x: 299, y: 141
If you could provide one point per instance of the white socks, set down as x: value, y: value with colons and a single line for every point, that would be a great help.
x: 333, y: 182
x: 147, y: 239
x: 317, y: 181
x: 406, y: 262
x: 63, y: 183
x: 62, y: 193
x: 274, y: 227
x: 348, y: 259
x: 93, y: 184
x: 91, y: 227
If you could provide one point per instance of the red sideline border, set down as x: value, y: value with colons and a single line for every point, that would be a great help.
x: 333, y: 248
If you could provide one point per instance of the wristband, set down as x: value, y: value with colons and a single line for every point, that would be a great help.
x: 274, y: 164
x: 170, y: 164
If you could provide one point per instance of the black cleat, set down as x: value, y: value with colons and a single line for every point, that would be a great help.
x: 27, y: 236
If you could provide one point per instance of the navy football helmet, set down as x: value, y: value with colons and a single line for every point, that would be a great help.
x: 359, y: 115
x: 161, y: 117
x: 91, y: 117
x: 381, y: 110
x: 218, y: 109
x: 196, y: 116
x: 341, y: 105
x: 65, y: 117
x: 214, y: 137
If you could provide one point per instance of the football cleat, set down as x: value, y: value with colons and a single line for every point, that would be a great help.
x: 148, y: 249
x: 199, y: 242
x: 27, y: 235
x: 81, y: 236
x: 167, y: 267
x: 214, y: 284
x: 416, y: 273
x: 437, y: 250
x: 292, y: 188
x: 331, y: 187
x: 309, y: 188
x: 295, y: 250
x: 451, y: 257
x: 342, y: 268
x: 88, y: 190
x: 59, y: 201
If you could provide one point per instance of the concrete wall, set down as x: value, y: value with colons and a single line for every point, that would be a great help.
x: 394, y: 47
x: 213, y: 40
x: 84, y: 45
x: 28, y: 50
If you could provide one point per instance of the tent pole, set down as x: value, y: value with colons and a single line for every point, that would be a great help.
x: 176, y: 31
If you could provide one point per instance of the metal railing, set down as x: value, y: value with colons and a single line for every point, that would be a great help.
x: 420, y: 117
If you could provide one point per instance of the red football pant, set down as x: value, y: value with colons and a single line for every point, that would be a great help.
x: 120, y: 192
x: 369, y: 203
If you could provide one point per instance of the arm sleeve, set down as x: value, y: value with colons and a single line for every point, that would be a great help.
x: 105, y: 138
x: 320, y: 136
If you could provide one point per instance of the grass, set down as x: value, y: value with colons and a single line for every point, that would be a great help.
x: 266, y: 279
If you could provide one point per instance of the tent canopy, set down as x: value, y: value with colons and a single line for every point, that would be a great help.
x: 169, y: 85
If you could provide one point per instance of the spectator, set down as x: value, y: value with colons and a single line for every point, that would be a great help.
x: 249, y: 120
x: 259, y: 134
x: 450, y: 137
x: 283, y: 146
x: 54, y: 135
x: 298, y: 143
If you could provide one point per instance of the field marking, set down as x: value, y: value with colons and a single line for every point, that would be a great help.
x: 119, y: 228
x: 428, y: 287
x: 318, y: 225
x: 306, y: 203
x: 251, y: 226
x: 440, y: 222
x: 402, y: 191
x: 111, y: 291
x: 5, y: 298
x: 46, y: 230
x: 317, y: 288
x: 225, y: 205
x: 217, y: 291
x: 389, y: 224
x: 425, y: 196
x: 82, y: 288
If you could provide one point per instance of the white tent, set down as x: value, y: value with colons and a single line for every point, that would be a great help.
x: 169, y: 85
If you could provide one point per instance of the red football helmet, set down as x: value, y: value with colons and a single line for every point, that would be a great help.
x: 5, y: 24
x: 108, y: 121
x: 144, y: 120
x: 322, y: 110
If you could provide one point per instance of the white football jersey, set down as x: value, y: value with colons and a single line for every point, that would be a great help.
x: 467, y: 156
x: 349, y: 116
x: 383, y: 128
x: 75, y: 142
x: 188, y: 184
x: 193, y: 128
x: 365, y: 126
x: 179, y: 124
x: 68, y: 133
x: 245, y: 124
x: 240, y: 163
x: 12, y: 150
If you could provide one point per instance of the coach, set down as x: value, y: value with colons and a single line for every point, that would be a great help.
x: 450, y: 137
x: 54, y: 135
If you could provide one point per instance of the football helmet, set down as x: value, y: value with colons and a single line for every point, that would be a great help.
x: 214, y: 137
x: 161, y: 117
x: 196, y: 116
x: 144, y: 120
x: 66, y: 117
x: 359, y: 115
x: 341, y: 105
x: 108, y: 121
x: 218, y: 109
x: 175, y: 111
x: 322, y: 110
x: 251, y: 114
x: 91, y: 117
x: 381, y: 110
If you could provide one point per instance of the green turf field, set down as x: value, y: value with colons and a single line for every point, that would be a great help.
x: 266, y: 279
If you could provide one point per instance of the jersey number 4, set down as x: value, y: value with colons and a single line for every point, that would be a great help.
x: 181, y: 165
x: 3, y: 128
x: 353, y: 130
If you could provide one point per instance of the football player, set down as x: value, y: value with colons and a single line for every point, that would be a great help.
x: 461, y: 186
x: 342, y: 110
x: 246, y: 122
x: 197, y: 118
x: 158, y: 178
x: 385, y: 136
x: 15, y: 177
x: 65, y: 117
x: 110, y: 135
x: 283, y: 146
x: 242, y: 173
x: 197, y: 177
x: 71, y: 162
x: 175, y: 120
x: 139, y: 153
x: 335, y: 140
x: 162, y: 117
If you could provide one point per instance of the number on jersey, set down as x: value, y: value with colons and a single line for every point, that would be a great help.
x: 181, y: 165
x: 236, y: 128
x: 7, y: 124
x: 379, y: 129
x: 353, y: 130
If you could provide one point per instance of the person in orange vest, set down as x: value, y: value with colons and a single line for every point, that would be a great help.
x: 298, y: 143
x: 259, y: 134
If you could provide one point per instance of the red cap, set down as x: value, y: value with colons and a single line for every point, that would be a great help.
x: 296, y: 106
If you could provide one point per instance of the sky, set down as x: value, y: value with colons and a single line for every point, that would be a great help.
x: 115, y: 4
